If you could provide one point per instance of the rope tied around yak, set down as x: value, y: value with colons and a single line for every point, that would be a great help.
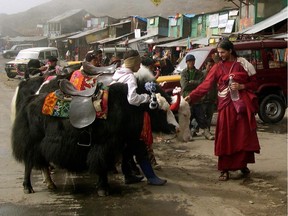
x: 151, y: 87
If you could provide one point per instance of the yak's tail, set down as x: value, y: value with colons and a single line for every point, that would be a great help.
x: 13, y: 106
x: 20, y: 135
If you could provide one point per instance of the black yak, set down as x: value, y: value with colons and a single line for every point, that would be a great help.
x: 38, y: 140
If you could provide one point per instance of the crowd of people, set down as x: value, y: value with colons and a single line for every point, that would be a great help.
x: 235, y: 137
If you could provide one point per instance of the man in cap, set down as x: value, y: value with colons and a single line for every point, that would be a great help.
x: 51, y: 68
x: 190, y: 76
x: 190, y: 79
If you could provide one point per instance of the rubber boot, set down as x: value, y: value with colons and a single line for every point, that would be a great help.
x: 150, y: 175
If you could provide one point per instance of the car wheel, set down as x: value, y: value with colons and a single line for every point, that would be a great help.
x: 11, y: 75
x: 272, y: 109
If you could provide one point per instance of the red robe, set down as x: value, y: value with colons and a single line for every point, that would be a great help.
x: 236, y: 139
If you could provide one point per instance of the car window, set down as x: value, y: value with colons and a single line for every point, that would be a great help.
x: 277, y: 58
x: 54, y: 53
x: 47, y: 54
x: 253, y: 56
x: 41, y: 56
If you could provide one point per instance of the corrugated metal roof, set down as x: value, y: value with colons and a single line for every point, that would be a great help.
x: 184, y: 42
x: 82, y: 34
x: 138, y: 39
x: 65, y: 15
x: 107, y: 40
x: 120, y: 23
x: 161, y: 40
x: 64, y: 35
x: 276, y: 18
x: 21, y: 39
x: 181, y: 42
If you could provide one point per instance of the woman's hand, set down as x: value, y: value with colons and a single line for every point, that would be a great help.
x: 187, y: 98
x: 237, y: 86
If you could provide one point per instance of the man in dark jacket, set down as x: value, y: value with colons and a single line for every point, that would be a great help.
x: 190, y: 79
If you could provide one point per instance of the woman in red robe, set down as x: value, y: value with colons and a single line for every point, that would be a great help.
x: 236, y: 139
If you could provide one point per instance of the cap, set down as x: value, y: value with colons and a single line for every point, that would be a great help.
x: 190, y: 58
x: 52, y: 59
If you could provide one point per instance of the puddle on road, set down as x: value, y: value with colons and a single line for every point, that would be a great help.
x: 76, y: 195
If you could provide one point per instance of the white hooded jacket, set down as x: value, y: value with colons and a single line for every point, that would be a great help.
x: 125, y: 75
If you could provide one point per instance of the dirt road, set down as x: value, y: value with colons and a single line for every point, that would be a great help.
x: 193, y: 188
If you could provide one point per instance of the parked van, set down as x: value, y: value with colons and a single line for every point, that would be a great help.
x: 19, y: 65
x: 11, y: 53
x: 269, y: 58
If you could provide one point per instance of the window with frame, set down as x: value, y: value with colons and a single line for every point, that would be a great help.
x: 54, y: 53
x: 41, y: 56
x: 48, y: 54
x: 253, y: 56
x: 277, y: 58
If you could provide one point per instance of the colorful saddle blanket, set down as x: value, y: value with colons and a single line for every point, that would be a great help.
x: 81, y: 81
x: 58, y: 105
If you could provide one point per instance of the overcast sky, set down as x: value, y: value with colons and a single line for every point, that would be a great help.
x: 16, y: 6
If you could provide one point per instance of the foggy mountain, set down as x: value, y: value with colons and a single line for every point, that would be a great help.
x: 25, y: 22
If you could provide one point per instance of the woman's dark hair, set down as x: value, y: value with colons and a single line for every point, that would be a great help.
x: 131, y: 53
x: 227, y: 45
x: 210, y: 59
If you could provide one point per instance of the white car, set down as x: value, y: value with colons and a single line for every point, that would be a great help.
x: 19, y: 65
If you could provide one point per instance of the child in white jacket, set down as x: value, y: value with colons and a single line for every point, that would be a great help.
x: 125, y: 74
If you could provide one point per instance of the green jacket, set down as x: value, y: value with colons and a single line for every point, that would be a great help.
x: 190, y: 79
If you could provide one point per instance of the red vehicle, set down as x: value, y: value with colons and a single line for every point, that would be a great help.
x: 269, y: 58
